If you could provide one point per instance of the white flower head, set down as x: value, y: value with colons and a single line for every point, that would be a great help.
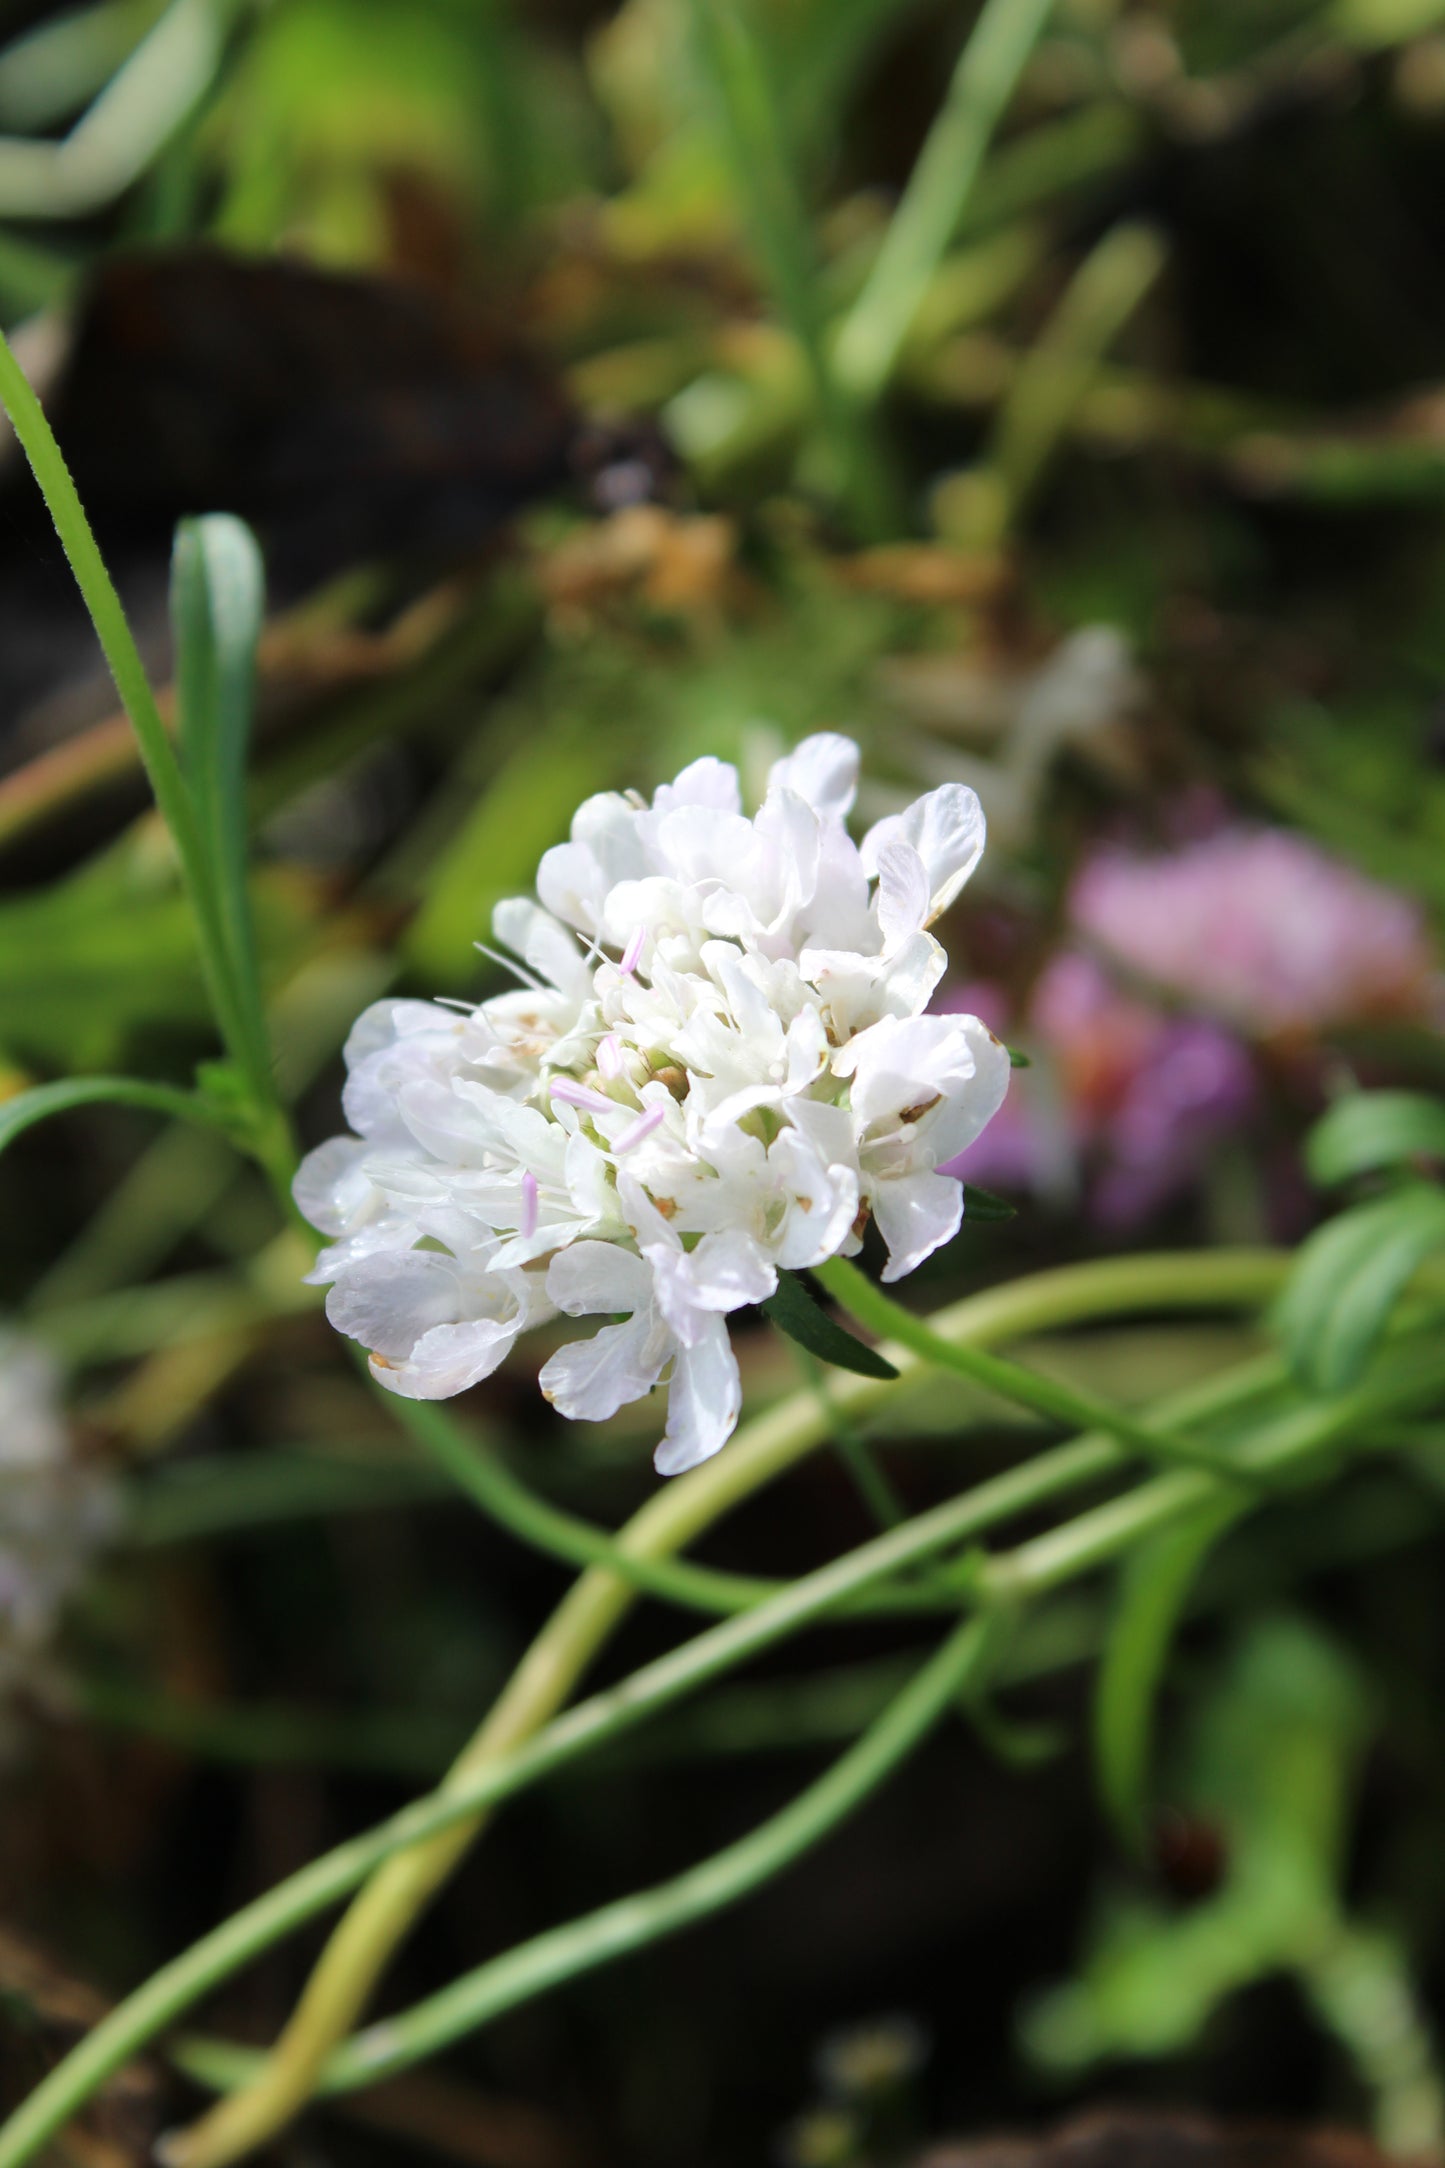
x: 717, y: 1068
x: 54, y: 1511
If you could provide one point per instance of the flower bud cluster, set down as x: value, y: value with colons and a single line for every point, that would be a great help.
x: 718, y: 1068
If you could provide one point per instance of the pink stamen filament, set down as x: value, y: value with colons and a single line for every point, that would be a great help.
x: 573, y: 1094
x: 642, y: 1127
x: 632, y: 952
x: 527, y: 1225
x: 609, y: 1055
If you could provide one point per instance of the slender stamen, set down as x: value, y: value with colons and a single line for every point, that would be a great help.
x: 632, y: 952
x: 642, y: 1127
x: 528, y: 978
x: 527, y: 1224
x: 609, y: 1055
x: 573, y: 1094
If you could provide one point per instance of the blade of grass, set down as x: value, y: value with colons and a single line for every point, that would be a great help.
x: 778, y: 227
x: 167, y: 781
x: 218, y: 603
x: 872, y: 336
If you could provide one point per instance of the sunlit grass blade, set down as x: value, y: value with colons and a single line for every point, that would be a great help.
x: 218, y: 602
x: 778, y: 227
x: 163, y: 769
x: 872, y: 336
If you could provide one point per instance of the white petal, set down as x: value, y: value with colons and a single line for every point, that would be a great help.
x: 572, y: 885
x: 389, y: 1233
x: 823, y: 770
x: 330, y: 1187
x: 706, y: 782
x: 971, y: 1103
x: 593, y: 1276
x: 704, y: 1401
x: 946, y: 827
x: 903, y: 893
x: 822, y: 1201
x: 448, y: 1359
x: 901, y: 1065
x: 387, y: 1301
x: 643, y: 1217
x: 915, y: 1215
x: 544, y: 944
x: 728, y: 1270
x: 588, y: 1380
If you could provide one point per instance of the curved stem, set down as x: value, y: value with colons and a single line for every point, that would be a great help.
x: 1286, y: 1446
x: 647, y: 1916
x: 133, y: 2023
x: 353, y: 1960
x: 856, y: 1293
x: 490, y: 1484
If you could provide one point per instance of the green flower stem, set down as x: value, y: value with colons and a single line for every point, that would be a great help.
x: 235, y: 1015
x: 635, y: 1922
x: 1411, y: 1375
x: 489, y: 1483
x: 132, y: 2024
x: 874, y: 331
x: 1288, y: 1446
x: 382, y: 1915
x: 856, y: 1293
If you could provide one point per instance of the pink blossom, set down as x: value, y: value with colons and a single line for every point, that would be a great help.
x: 1261, y: 928
x: 1122, y: 1094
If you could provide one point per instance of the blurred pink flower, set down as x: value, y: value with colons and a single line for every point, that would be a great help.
x: 1261, y: 928
x: 1124, y: 1099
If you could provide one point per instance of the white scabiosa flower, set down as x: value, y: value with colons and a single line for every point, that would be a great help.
x: 54, y: 1511
x: 717, y: 1068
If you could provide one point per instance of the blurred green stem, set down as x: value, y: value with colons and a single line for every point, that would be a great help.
x: 1051, y: 381
x: 383, y: 1914
x: 873, y: 333
x: 778, y: 225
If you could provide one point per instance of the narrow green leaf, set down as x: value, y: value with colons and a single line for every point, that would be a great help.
x: 982, y: 1204
x: 1349, y: 1276
x: 1017, y: 1060
x: 42, y: 1100
x: 793, y: 1310
x: 1154, y: 1588
x: 218, y: 602
x: 1369, y: 1131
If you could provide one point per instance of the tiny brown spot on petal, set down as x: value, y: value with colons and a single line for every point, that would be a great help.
x: 915, y: 1113
x: 381, y: 1361
x: 667, y: 1206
